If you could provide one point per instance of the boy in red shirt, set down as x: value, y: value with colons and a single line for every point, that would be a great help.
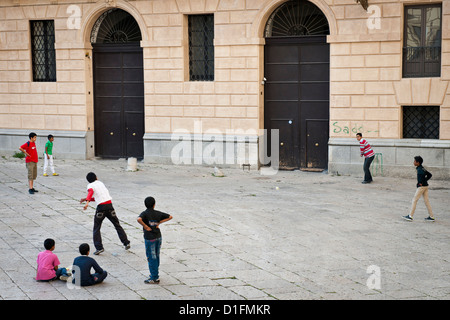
x: 31, y: 160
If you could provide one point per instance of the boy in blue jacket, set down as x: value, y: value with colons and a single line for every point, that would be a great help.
x: 81, y: 269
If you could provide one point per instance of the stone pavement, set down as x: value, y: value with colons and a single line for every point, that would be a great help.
x: 294, y: 235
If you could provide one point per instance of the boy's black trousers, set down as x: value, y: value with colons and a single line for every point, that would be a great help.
x: 107, y: 211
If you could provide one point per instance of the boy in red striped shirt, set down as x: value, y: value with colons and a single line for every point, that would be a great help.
x: 367, y: 152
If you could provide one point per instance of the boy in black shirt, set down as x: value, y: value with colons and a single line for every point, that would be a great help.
x: 150, y: 220
x: 81, y: 269
x: 422, y: 189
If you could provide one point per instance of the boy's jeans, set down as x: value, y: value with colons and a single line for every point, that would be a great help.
x: 61, y: 272
x: 366, y: 167
x: 152, y: 249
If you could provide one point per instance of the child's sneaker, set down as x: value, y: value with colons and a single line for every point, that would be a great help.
x: 127, y: 246
x: 55, y: 174
x: 45, y: 175
x: 150, y: 281
x: 408, y: 218
x: 99, y: 251
x: 430, y: 219
x: 64, y: 277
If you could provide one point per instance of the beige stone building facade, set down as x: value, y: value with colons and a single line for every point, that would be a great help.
x: 198, y: 81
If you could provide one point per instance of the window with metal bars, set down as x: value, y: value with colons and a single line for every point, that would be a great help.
x: 422, y: 41
x: 43, y: 50
x: 421, y: 122
x: 201, y: 47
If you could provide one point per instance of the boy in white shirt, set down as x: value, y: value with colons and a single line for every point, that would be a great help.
x: 99, y: 193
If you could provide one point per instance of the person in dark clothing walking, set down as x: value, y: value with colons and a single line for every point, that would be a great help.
x: 150, y: 220
x: 422, y: 189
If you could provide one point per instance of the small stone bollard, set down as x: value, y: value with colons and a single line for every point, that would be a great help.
x: 132, y: 164
x: 218, y: 172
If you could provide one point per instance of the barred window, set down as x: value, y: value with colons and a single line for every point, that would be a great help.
x: 201, y: 47
x: 421, y: 122
x: 422, y: 41
x: 43, y: 50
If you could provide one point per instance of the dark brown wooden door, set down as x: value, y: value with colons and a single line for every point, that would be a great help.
x: 297, y: 97
x: 118, y: 100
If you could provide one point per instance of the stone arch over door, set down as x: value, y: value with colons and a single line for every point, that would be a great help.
x: 296, y: 89
x: 118, y: 85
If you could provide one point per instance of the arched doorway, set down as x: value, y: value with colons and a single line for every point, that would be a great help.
x: 296, y: 93
x: 118, y: 86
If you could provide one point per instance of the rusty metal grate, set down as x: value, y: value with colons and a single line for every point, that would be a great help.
x: 43, y: 50
x: 421, y: 122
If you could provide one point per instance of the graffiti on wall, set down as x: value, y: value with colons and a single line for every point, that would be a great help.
x: 344, y: 129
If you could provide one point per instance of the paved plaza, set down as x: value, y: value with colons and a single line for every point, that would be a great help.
x: 294, y: 235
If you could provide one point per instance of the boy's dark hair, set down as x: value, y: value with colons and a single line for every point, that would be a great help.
x: 49, y: 136
x: 149, y: 202
x: 32, y: 134
x: 84, y: 249
x: 359, y: 134
x: 91, y: 177
x: 49, y: 243
x: 418, y: 159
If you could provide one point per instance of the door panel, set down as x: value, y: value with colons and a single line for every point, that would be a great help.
x: 133, y: 104
x: 134, y: 134
x: 105, y: 89
x: 133, y: 75
x: 113, y: 103
x: 315, y: 110
x: 107, y: 59
x: 314, y: 72
x: 282, y: 91
x: 281, y: 72
x: 316, y: 144
x: 314, y: 90
x: 281, y: 54
x: 286, y: 144
x: 111, y: 133
x: 112, y: 75
x: 315, y: 52
x: 133, y: 59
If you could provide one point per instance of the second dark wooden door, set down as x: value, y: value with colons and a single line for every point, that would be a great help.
x: 297, y: 99
x: 118, y: 100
